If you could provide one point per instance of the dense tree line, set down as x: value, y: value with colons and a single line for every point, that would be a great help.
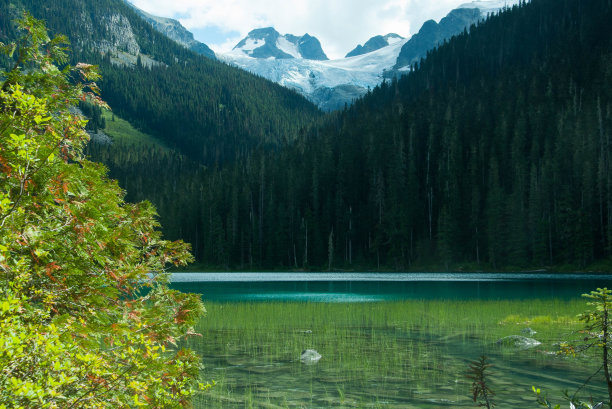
x: 495, y: 151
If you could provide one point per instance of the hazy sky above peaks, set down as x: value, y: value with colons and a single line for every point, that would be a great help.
x: 338, y: 24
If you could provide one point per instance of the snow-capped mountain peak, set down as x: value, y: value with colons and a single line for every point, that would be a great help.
x: 264, y: 43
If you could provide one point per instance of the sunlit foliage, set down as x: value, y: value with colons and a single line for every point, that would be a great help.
x: 86, y: 318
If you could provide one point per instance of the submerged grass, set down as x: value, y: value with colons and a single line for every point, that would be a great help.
x: 393, y: 354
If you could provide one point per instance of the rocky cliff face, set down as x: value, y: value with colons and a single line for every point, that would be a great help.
x: 310, y: 48
x: 117, y: 38
x: 116, y: 35
x: 120, y: 35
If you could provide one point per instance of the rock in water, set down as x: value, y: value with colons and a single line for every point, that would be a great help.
x: 518, y: 342
x: 528, y: 331
x: 310, y: 356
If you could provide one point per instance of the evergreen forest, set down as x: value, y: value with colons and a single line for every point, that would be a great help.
x: 494, y: 152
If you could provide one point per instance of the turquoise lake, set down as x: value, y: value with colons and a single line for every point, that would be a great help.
x: 392, y: 340
x: 369, y: 287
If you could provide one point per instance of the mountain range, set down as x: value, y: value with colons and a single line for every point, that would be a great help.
x: 300, y: 63
x: 332, y: 84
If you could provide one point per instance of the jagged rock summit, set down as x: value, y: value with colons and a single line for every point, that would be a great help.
x: 266, y: 43
x: 375, y: 43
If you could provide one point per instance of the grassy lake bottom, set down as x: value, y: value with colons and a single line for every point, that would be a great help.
x: 394, y: 354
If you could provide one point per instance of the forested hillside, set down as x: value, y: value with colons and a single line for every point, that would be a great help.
x: 209, y: 111
x: 495, y: 152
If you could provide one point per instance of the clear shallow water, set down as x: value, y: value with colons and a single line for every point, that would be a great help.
x: 387, y: 340
x: 371, y: 287
x: 403, y: 354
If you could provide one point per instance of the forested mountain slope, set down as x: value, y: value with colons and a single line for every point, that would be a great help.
x: 495, y: 152
x: 206, y: 109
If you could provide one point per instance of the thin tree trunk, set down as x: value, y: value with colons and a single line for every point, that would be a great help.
x: 306, y: 247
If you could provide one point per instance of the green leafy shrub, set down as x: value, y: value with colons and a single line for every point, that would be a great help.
x: 86, y: 317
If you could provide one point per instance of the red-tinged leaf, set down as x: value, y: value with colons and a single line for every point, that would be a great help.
x: 50, y: 269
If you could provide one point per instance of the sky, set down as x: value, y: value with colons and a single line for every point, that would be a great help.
x: 338, y: 24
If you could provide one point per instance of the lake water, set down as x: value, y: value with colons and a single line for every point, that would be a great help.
x: 387, y: 340
x: 370, y: 287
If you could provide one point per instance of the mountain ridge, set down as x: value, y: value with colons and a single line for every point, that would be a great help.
x: 174, y: 30
x: 433, y: 33
x: 373, y: 44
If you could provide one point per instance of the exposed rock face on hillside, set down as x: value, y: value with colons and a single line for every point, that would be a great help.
x: 119, y: 39
x: 119, y: 36
x: 310, y: 48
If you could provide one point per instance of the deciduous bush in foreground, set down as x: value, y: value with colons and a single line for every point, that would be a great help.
x: 86, y: 317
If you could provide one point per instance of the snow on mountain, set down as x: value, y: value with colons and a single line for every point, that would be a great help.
x: 288, y: 47
x: 329, y: 84
x: 268, y: 43
x: 375, y: 43
x: 300, y: 63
